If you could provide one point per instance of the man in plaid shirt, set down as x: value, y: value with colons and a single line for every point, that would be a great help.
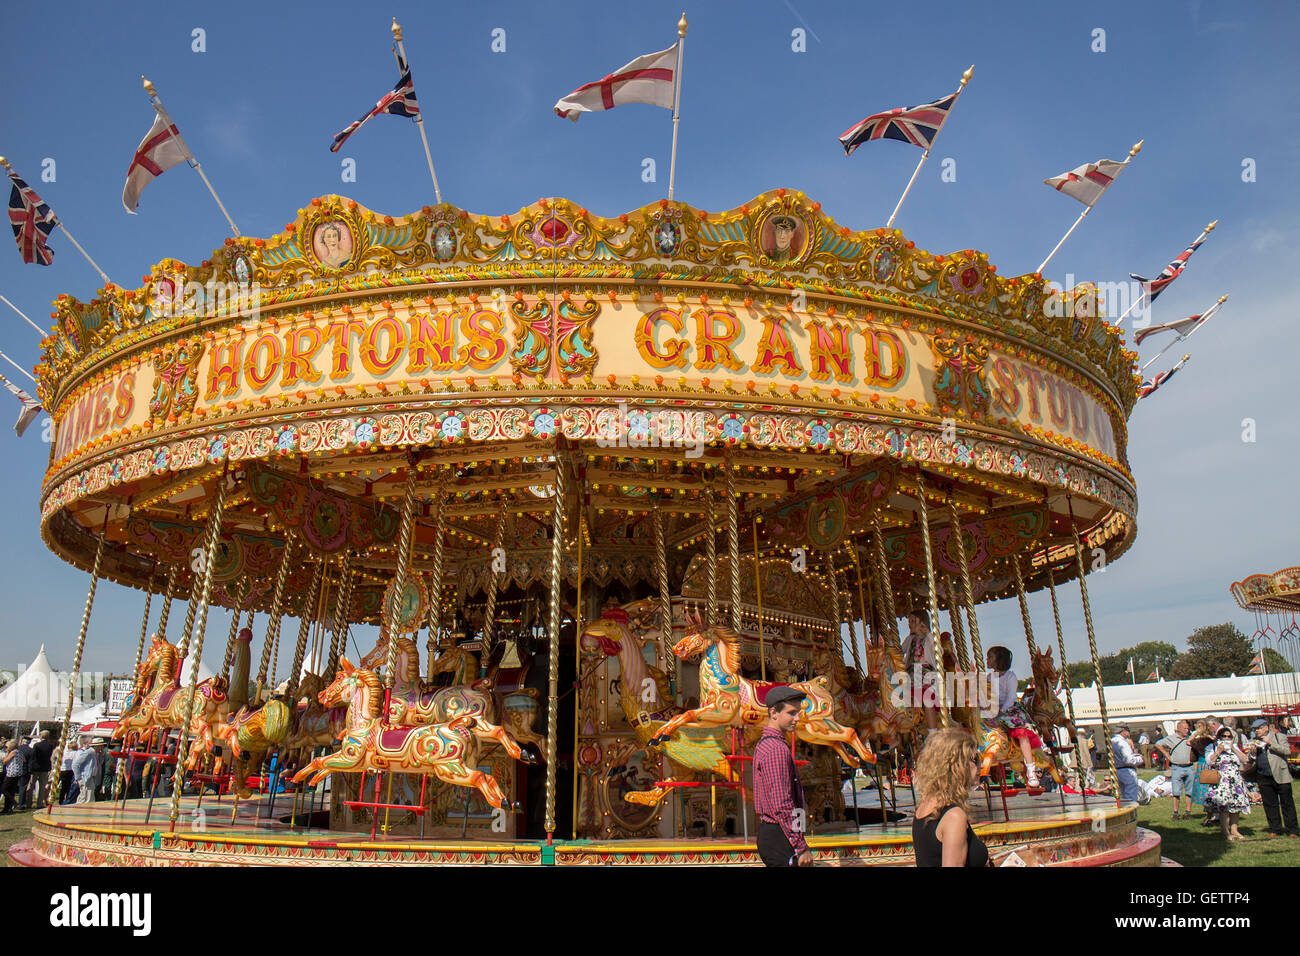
x: 778, y: 795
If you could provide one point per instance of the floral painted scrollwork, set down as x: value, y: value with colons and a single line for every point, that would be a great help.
x: 176, y: 371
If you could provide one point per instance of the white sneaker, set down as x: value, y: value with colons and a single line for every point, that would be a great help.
x: 1031, y: 778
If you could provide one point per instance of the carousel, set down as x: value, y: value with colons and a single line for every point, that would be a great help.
x: 553, y: 499
x: 1274, y: 600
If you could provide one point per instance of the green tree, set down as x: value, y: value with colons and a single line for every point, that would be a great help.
x: 1217, y: 650
x: 1149, y: 656
x: 1275, y: 662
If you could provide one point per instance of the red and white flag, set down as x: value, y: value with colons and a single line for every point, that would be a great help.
x: 30, y: 406
x: 647, y: 79
x: 160, y: 150
x: 1086, y: 183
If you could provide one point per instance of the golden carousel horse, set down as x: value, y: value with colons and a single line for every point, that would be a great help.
x: 313, y: 724
x: 644, y: 698
x: 412, y: 702
x: 449, y: 751
x: 866, y: 705
x: 162, y: 704
x: 729, y: 699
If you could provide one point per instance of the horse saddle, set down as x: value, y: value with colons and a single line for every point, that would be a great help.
x: 394, y: 738
x: 165, y: 698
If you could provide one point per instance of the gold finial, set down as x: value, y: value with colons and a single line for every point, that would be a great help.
x: 1137, y: 148
x: 1223, y: 299
x: 5, y: 163
x: 965, y: 77
x: 397, y: 29
x: 681, y: 25
x: 148, y: 87
x: 1210, y: 227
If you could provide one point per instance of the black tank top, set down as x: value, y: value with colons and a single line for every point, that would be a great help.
x: 929, y: 848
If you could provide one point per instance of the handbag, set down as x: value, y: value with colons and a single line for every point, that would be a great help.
x: 1210, y: 777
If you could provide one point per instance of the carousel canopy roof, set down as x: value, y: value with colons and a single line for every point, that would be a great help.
x: 831, y: 381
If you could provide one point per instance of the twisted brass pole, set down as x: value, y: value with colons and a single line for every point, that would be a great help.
x: 1060, y: 643
x: 711, y: 559
x: 1024, y: 606
x: 494, y: 582
x: 553, y: 662
x: 954, y: 620
x: 435, y: 584
x: 191, y: 609
x: 399, y: 579
x: 228, y: 657
x: 342, y: 610
x: 1096, y: 660
x: 205, y: 592
x: 934, y: 602
x: 665, y: 598
x: 169, y: 592
x: 144, y: 627
x: 277, y: 612
x: 963, y: 566
x: 733, y: 545
x: 311, y: 612
x: 887, y: 587
x: 57, y: 758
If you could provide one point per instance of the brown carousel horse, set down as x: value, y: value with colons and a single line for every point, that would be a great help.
x: 449, y: 751
x: 412, y: 702
x: 728, y: 699
x: 1040, y: 700
x: 313, y: 724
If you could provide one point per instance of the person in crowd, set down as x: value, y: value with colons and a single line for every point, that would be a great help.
x: 1176, y: 749
x: 1011, y: 713
x: 15, y: 769
x: 778, y: 793
x: 25, y: 748
x: 1228, y: 797
x: 1269, y: 750
x: 68, y: 788
x: 1144, y: 747
x: 918, y: 650
x: 1202, y: 744
x: 941, y: 832
x: 1127, y: 760
x: 42, y: 754
x: 83, y: 771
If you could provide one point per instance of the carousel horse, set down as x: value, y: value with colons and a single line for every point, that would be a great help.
x: 163, y: 706
x: 889, y: 723
x: 449, y: 751
x: 313, y: 724
x: 413, y: 703
x: 1040, y: 700
x: 728, y: 699
x: 644, y: 697
x: 249, y: 736
x: 996, y: 748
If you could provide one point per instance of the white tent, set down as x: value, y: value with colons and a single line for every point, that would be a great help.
x: 37, y: 694
x: 88, y: 715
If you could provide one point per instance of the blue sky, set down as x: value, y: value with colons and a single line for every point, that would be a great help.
x: 1202, y: 83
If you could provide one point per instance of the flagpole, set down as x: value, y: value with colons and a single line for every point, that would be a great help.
x: 24, y: 315
x: 1137, y: 148
x: 59, y: 222
x: 157, y: 104
x: 419, y: 119
x: 677, y: 102
x: 1205, y: 317
x: 19, y: 367
x: 965, y: 78
x: 1140, y: 299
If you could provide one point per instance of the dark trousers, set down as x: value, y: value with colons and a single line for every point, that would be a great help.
x: 65, y: 784
x: 11, y: 792
x: 1273, y: 795
x: 773, y: 846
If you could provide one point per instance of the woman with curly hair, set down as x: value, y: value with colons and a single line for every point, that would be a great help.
x: 946, y: 770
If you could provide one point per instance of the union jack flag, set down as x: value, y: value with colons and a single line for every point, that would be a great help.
x: 33, y: 221
x: 918, y: 125
x: 1151, y: 384
x: 399, y: 102
x: 1153, y: 287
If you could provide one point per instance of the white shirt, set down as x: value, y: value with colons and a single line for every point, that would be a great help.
x: 1125, y: 755
x: 1006, y: 689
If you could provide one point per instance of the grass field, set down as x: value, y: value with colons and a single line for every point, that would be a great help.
x: 14, y: 828
x: 1190, y: 843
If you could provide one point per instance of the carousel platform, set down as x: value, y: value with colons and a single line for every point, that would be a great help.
x: 108, y: 834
